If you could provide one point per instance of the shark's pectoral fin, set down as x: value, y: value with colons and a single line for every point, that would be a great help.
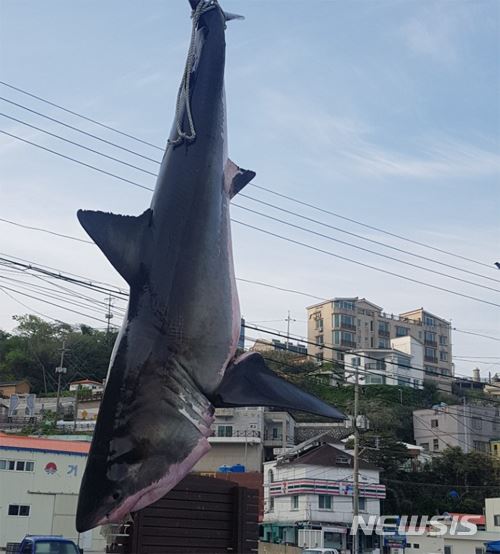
x: 249, y: 382
x: 236, y: 178
x: 123, y: 239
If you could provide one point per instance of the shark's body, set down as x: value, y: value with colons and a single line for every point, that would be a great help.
x: 181, y: 329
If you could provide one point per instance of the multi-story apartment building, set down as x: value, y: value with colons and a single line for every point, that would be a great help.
x: 308, y: 497
x: 400, y: 365
x: 468, y: 427
x: 357, y: 324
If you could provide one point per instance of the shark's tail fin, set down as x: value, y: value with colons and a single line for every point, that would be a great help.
x: 228, y: 16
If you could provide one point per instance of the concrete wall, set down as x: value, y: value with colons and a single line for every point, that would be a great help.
x: 271, y: 548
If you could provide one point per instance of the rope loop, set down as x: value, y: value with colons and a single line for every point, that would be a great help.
x: 183, y: 96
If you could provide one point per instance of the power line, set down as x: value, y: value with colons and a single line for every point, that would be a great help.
x: 54, y: 120
x: 385, y: 245
x: 476, y: 334
x: 363, y: 249
x: 76, y: 161
x: 373, y: 228
x: 257, y: 186
x: 406, y: 278
x: 89, y: 284
x: 81, y: 116
x: 31, y: 228
x: 78, y: 144
x: 386, y: 271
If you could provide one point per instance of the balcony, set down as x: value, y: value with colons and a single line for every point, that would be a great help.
x: 346, y: 326
x: 348, y: 343
x: 431, y: 343
x: 380, y: 366
x: 431, y: 359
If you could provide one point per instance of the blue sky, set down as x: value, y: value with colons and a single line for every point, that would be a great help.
x: 380, y: 110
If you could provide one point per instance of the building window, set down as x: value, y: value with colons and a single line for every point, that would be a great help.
x: 477, y: 423
x: 429, y: 337
x: 295, y: 502
x: 270, y: 476
x: 318, y: 324
x: 432, y: 323
x: 345, y: 321
x: 383, y: 343
x: 344, y: 305
x: 403, y: 361
x: 434, y: 423
x: 448, y: 549
x: 16, y: 465
x: 416, y: 546
x: 225, y: 431
x: 319, y: 356
x: 19, y: 510
x: 443, y: 341
x: 425, y: 446
x: 435, y: 444
x: 402, y: 331
x: 271, y: 503
x: 375, y: 379
x: 362, y: 504
x: 479, y: 550
x: 324, y: 502
x: 319, y: 340
x: 496, y: 520
x: 383, y: 327
x: 443, y: 356
x: 356, y: 362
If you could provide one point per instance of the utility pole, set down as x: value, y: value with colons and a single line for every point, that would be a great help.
x: 60, y: 370
x: 466, y: 434
x: 288, y: 320
x: 355, y: 541
x: 109, y: 316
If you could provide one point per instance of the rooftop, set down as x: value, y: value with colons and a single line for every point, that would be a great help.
x: 86, y: 382
x: 328, y: 455
x: 16, y: 442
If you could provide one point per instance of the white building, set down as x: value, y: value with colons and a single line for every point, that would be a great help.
x: 468, y: 427
x: 308, y: 500
x: 246, y: 436
x: 86, y: 384
x: 488, y: 530
x: 400, y: 365
x: 39, y: 484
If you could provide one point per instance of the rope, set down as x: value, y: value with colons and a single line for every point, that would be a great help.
x: 183, y: 96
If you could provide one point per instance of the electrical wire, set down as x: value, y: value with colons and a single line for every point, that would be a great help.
x: 373, y: 241
x: 54, y: 120
x: 305, y: 229
x: 372, y: 227
x: 89, y: 119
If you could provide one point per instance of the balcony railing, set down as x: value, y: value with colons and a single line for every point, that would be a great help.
x: 348, y: 343
x: 245, y: 433
x: 429, y: 342
x: 383, y: 333
x: 376, y: 365
x: 431, y: 359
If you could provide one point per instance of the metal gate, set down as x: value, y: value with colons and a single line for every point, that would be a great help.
x: 201, y: 515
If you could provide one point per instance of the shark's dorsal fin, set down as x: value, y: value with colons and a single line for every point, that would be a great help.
x: 236, y: 178
x: 249, y: 382
x: 122, y: 238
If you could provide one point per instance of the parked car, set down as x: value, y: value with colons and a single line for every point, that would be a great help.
x: 320, y: 551
x: 47, y: 544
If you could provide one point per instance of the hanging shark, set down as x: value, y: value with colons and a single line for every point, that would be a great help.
x: 175, y: 357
